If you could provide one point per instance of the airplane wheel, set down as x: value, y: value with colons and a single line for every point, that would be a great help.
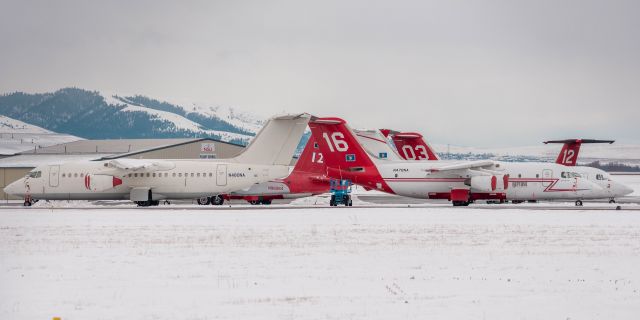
x: 350, y: 203
x: 460, y: 203
x: 204, y: 201
x: 612, y: 201
x: 332, y: 202
x: 267, y: 202
x: 217, y: 200
x: 155, y: 203
x: 26, y: 203
x: 578, y: 203
x: 254, y: 202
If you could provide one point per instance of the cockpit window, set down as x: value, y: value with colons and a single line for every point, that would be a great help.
x: 35, y: 174
x: 600, y: 176
x: 570, y: 175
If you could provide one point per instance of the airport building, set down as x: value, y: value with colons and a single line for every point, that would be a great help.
x: 17, y: 166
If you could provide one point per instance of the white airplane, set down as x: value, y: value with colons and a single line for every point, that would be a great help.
x: 147, y: 181
x: 454, y: 180
x: 412, y: 146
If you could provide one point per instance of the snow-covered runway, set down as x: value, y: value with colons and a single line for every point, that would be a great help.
x: 354, y: 263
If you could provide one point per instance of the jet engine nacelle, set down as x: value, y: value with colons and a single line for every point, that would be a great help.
x: 494, y: 183
x: 95, y: 182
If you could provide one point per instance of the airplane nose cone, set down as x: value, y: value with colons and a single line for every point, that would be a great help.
x: 15, y: 188
x: 625, y: 189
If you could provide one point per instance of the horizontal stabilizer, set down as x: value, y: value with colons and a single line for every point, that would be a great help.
x: 572, y: 141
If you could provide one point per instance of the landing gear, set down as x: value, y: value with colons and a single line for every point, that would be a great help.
x: 460, y: 203
x: 204, y: 201
x: 257, y: 202
x: 148, y: 203
x: 578, y: 203
x: 28, y: 201
x: 216, y: 200
x: 612, y: 200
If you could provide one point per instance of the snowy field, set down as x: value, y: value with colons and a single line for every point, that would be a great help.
x: 320, y: 263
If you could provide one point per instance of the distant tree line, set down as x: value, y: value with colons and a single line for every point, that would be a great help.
x: 614, y: 166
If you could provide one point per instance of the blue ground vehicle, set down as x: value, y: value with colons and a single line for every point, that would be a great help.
x: 340, y: 192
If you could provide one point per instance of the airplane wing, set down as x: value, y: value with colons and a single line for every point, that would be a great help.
x: 479, y: 164
x: 125, y: 166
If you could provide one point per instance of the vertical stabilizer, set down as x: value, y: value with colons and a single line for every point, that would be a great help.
x: 276, y: 142
x: 569, y: 153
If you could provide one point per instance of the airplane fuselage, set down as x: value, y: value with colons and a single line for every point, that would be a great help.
x: 187, y: 179
x: 527, y: 181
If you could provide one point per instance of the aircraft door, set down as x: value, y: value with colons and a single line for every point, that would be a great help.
x: 54, y: 176
x: 221, y: 175
x: 547, y: 175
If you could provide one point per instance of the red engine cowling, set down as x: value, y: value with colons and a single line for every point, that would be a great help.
x: 95, y: 182
x: 497, y: 183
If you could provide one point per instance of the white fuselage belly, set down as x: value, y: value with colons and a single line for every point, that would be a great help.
x: 527, y: 181
x: 187, y: 180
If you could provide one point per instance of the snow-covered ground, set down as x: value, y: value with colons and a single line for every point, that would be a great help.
x: 327, y: 263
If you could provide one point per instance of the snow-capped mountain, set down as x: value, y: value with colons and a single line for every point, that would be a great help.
x: 17, y: 136
x: 240, y: 119
x: 95, y: 115
x: 8, y: 125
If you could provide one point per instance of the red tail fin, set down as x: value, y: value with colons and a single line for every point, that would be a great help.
x: 343, y: 155
x: 411, y: 146
x: 311, y: 159
x: 569, y: 154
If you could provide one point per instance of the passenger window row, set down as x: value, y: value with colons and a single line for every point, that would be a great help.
x: 73, y: 175
x: 38, y: 174
x: 166, y: 175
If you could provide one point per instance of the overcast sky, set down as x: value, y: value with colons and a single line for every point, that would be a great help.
x: 476, y: 73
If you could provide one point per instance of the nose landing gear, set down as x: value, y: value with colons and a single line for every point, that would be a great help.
x: 578, y: 203
x: 28, y: 201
